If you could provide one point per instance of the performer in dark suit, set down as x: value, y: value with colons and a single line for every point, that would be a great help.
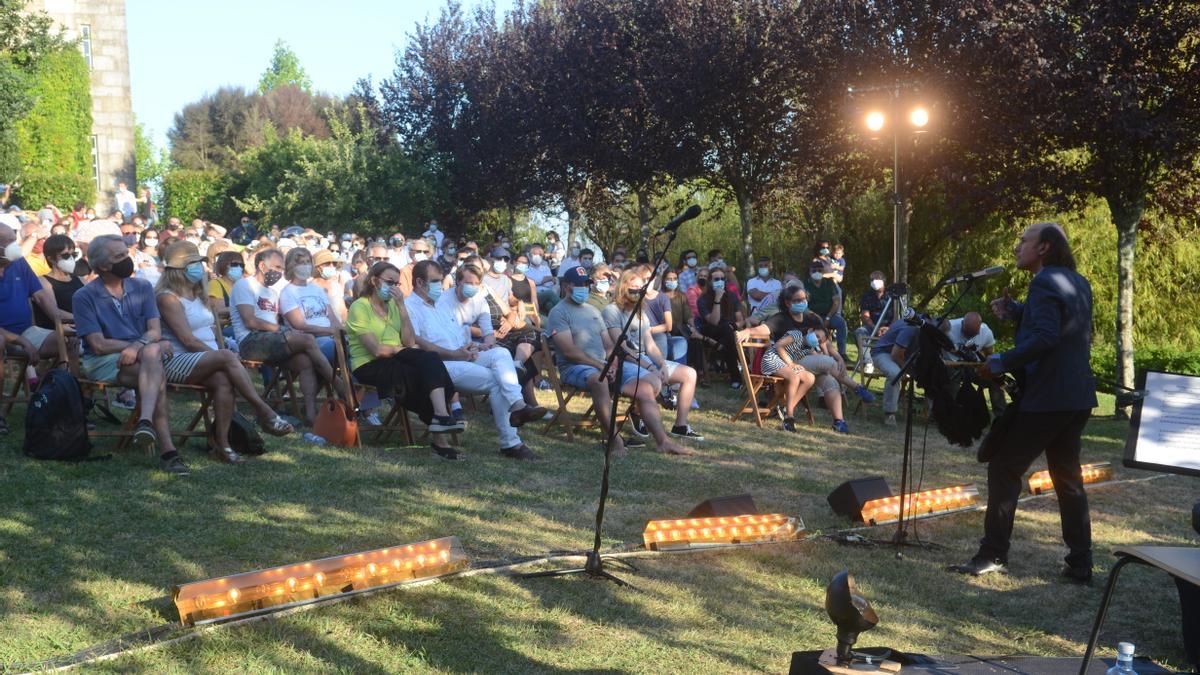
x: 1050, y: 364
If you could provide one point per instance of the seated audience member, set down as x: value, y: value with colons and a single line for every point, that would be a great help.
x: 573, y: 258
x: 188, y: 324
x: 970, y: 333
x: 384, y: 355
x: 33, y: 237
x: 18, y: 287
x: 693, y: 293
x: 830, y: 370
x: 145, y: 256
x: 496, y: 276
x: 602, y: 282
x: 228, y: 268
x: 62, y: 255
x: 716, y: 260
x: 260, y: 337
x: 328, y: 278
x: 763, y: 292
x: 722, y: 318
x: 658, y: 306
x: 305, y: 306
x: 786, y: 330
x: 889, y: 355
x: 545, y: 285
x: 642, y: 354
x: 825, y: 299
x: 870, y: 306
x: 683, y: 324
x: 516, y: 327
x: 418, y: 251
x: 474, y: 368
x: 117, y: 320
x: 687, y: 270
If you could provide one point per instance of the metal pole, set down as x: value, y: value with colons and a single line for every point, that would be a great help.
x: 897, y: 226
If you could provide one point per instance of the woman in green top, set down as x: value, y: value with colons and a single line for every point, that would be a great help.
x: 384, y: 355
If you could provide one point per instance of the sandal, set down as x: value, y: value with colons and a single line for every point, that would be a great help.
x: 276, y: 427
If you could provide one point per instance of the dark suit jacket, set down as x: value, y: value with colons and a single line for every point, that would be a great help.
x: 1053, y: 343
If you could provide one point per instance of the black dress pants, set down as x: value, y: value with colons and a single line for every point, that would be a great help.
x: 1057, y: 434
x: 409, y: 376
x: 726, y: 336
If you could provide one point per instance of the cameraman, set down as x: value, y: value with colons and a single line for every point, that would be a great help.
x: 974, y: 341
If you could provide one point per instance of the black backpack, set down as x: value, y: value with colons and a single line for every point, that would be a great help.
x: 243, y: 437
x: 55, y: 421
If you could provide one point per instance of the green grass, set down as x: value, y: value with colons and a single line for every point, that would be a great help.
x: 89, y: 553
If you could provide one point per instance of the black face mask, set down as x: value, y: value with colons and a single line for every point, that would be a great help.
x: 129, y: 239
x: 123, y: 269
x: 702, y: 282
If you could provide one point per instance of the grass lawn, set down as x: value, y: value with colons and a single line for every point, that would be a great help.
x: 89, y: 553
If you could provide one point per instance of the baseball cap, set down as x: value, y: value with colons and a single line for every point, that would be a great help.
x: 180, y: 254
x: 577, y: 276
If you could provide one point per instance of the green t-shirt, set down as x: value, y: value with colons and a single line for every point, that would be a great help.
x: 820, y: 298
x: 363, y: 319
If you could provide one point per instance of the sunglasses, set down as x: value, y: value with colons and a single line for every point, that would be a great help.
x: 373, y: 259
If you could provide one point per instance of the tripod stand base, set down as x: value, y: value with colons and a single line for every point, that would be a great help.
x: 593, y: 567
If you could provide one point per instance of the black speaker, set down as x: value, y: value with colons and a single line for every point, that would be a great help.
x: 848, y: 498
x: 735, y: 505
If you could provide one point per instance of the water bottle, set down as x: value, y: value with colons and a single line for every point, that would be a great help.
x: 1124, y: 664
x: 314, y: 439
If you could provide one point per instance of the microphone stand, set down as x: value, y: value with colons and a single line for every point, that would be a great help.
x: 594, y: 565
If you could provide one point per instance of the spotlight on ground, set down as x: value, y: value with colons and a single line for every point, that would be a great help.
x: 850, y: 612
x: 721, y: 520
x: 1039, y: 481
x: 276, y: 588
x: 942, y: 500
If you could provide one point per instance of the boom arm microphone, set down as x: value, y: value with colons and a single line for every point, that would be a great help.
x: 674, y: 223
x: 971, y: 276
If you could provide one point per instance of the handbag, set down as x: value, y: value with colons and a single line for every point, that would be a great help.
x: 337, y: 421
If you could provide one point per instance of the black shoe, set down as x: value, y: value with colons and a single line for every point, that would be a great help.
x: 174, y: 465
x: 639, y: 428
x: 522, y: 452
x: 686, y: 431
x: 457, y: 414
x: 789, y: 424
x: 448, y: 454
x: 667, y: 399
x: 442, y: 425
x: 1077, y: 575
x: 980, y: 566
x: 144, y: 437
x: 527, y: 414
x: 634, y: 442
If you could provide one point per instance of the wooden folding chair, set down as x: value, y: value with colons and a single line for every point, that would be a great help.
x: 565, y: 394
x: 753, y: 381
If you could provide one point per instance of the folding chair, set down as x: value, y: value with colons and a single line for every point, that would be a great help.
x: 754, y: 381
x: 565, y: 394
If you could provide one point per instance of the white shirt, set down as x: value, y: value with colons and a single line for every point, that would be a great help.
x: 264, y: 300
x: 200, y: 322
x: 436, y: 234
x: 769, y: 286
x: 984, y: 340
x: 311, y: 299
x: 399, y: 258
x: 473, y: 312
x: 126, y: 202
x: 433, y: 324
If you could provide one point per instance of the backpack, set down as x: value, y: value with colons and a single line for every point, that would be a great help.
x: 55, y: 421
x: 243, y: 437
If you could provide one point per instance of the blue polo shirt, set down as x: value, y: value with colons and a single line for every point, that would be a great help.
x: 902, y: 334
x: 97, y: 311
x: 18, y: 284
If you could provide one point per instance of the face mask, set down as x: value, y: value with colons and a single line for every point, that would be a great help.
x: 12, y: 252
x: 702, y: 282
x: 66, y: 266
x: 236, y: 272
x: 579, y: 294
x: 635, y: 292
x: 718, y: 284
x: 815, y: 276
x: 671, y: 285
x: 763, y: 272
x: 302, y: 272
x: 575, y: 252
x: 328, y: 272
x: 692, y: 262
x: 469, y: 290
x: 716, y: 265
x: 151, y: 243
x: 586, y: 263
x: 799, y: 307
x: 877, y: 284
x: 824, y: 251
x: 195, y: 272
x: 603, y: 286
x: 385, y: 293
x: 812, y: 340
x: 498, y: 266
x: 435, y: 291
x: 522, y: 268
x: 433, y: 227
x: 123, y: 269
x: 535, y: 259
x: 420, y: 257
x: 272, y: 277
x: 129, y: 239
x: 451, y: 252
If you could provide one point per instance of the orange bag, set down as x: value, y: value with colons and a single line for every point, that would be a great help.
x: 337, y: 424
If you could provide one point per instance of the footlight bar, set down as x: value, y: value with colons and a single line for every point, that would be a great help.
x: 1039, y: 481
x: 302, y: 583
x: 920, y: 504
x: 665, y: 535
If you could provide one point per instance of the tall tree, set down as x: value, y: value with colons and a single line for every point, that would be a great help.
x: 285, y: 69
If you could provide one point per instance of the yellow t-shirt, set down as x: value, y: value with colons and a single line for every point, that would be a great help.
x: 363, y: 319
x: 215, y: 287
x: 38, y: 264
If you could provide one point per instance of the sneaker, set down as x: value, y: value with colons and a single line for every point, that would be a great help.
x: 174, y: 465
x: 889, y: 420
x: 869, y: 368
x: 865, y: 394
x: 686, y: 431
x: 144, y: 437
x: 521, y: 452
x: 544, y: 385
x: 448, y: 454
x: 639, y: 428
x: 442, y: 425
x: 735, y: 385
x: 126, y: 400
x: 789, y: 424
x: 667, y: 399
x: 633, y: 442
x: 841, y: 427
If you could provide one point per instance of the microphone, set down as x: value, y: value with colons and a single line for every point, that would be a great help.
x: 674, y: 223
x: 971, y: 276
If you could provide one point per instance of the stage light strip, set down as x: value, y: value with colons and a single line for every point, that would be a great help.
x: 919, y: 504
x: 271, y: 589
x: 663, y: 535
x: 1039, y: 481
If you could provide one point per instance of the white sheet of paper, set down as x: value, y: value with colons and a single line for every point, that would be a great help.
x: 1169, y: 432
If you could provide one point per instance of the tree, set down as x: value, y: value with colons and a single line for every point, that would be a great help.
x: 150, y: 163
x: 285, y: 69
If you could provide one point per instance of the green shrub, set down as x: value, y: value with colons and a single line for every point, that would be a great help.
x: 1164, y: 358
x: 60, y: 188
x: 55, y: 135
x: 189, y: 194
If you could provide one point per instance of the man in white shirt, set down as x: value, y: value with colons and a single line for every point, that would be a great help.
x: 398, y: 254
x: 126, y: 201
x: 763, y: 292
x: 970, y: 332
x: 255, y: 318
x: 432, y: 230
x: 474, y: 368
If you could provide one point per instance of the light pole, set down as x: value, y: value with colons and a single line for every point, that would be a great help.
x: 890, y: 118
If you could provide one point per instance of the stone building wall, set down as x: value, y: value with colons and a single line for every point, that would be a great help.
x: 112, y: 100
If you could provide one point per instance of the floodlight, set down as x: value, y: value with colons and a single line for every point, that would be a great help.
x: 875, y: 120
x: 919, y: 117
x: 941, y: 500
x: 662, y: 535
x: 850, y: 612
x: 302, y: 583
x: 1039, y: 481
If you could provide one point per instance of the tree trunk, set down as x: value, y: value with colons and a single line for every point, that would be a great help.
x: 746, y: 215
x: 643, y: 205
x: 572, y: 219
x: 512, y: 222
x: 1126, y: 217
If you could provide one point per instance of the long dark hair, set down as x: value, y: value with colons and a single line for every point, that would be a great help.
x: 728, y: 306
x: 368, y: 285
x: 1058, y: 251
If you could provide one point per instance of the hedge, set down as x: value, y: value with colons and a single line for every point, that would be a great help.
x: 61, y: 189
x: 55, y: 135
x: 189, y: 194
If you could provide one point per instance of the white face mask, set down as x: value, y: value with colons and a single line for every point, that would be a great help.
x: 535, y: 259
x: 877, y: 284
x: 12, y: 252
x: 66, y: 266
x: 499, y: 266
x: 420, y: 257
x: 328, y: 272
x: 303, y: 272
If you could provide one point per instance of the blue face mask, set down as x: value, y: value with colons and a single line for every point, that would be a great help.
x: 764, y: 272
x: 824, y: 251
x: 522, y: 268
x: 799, y: 307
x: 579, y: 294
x: 385, y: 293
x: 469, y: 290
x: 435, y: 290
x: 195, y: 272
x: 237, y: 272
x: 718, y: 284
x: 671, y: 285
x: 812, y: 340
